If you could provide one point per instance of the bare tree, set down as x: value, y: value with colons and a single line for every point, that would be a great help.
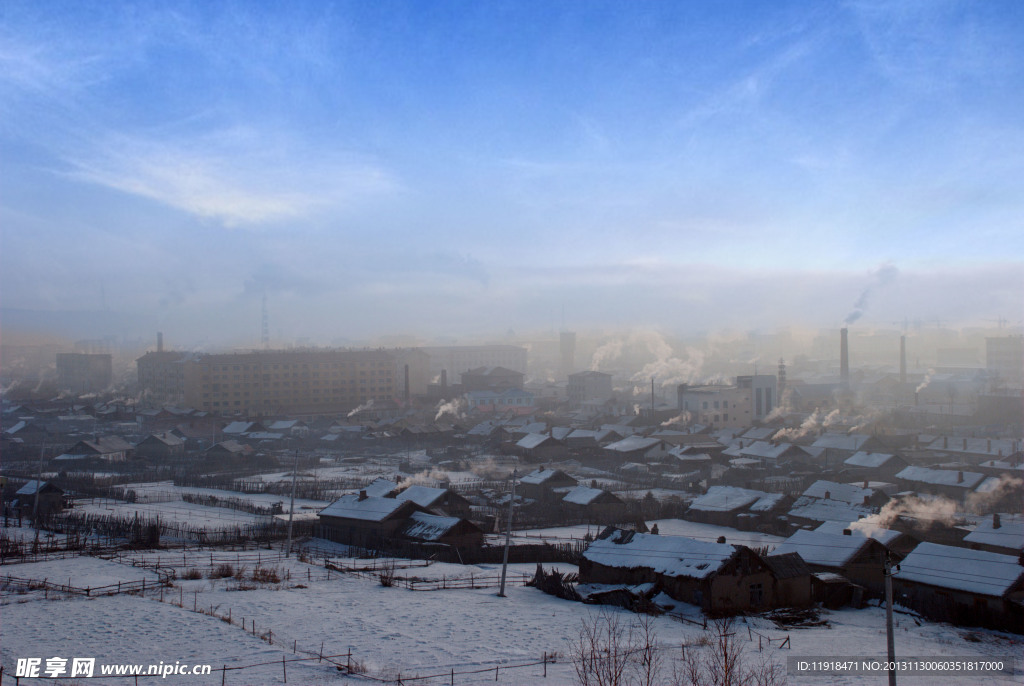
x: 614, y: 652
x: 718, y: 659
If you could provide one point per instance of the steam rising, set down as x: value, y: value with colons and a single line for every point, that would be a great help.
x: 454, y: 408
x: 365, y: 406
x: 927, y: 380
x: 881, y: 277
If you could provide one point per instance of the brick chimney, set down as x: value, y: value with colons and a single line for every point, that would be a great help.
x: 362, y: 495
x: 828, y: 495
x: 959, y: 477
x: 995, y: 520
x: 847, y: 532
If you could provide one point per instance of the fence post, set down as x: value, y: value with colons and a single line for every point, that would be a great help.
x: 223, y: 673
x: 284, y: 669
x: 321, y: 658
x: 495, y: 672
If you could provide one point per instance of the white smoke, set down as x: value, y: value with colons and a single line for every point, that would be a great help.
x: 1006, y: 488
x: 455, y: 407
x: 365, y: 406
x: 815, y: 421
x: 880, y: 277
x: 682, y: 419
x: 937, y: 509
x: 607, y: 352
x: 927, y: 380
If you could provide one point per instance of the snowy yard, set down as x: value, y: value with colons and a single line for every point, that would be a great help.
x: 390, y: 631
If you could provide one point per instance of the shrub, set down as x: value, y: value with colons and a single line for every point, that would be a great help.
x: 222, y: 571
x: 265, y: 575
x: 192, y: 574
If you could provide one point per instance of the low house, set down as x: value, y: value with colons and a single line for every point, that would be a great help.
x: 452, y: 531
x: 359, y: 519
x: 827, y: 501
x: 731, y: 506
x: 538, y: 447
x: 546, y: 484
x: 717, y: 577
x: 595, y: 505
x: 442, y: 501
x: 897, y: 542
x: 109, y: 448
x: 160, y: 447
x: 769, y: 454
x: 51, y: 498
x: 792, y: 579
x: 950, y: 483
x: 1002, y: 533
x: 858, y: 558
x: 228, y: 450
x: 848, y: 493
x: 835, y: 448
x: 873, y: 466
x: 962, y: 586
x: 637, y: 449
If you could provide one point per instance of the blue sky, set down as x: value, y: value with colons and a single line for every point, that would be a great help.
x: 462, y: 168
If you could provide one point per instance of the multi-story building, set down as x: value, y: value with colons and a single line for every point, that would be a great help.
x: 292, y: 382
x: 750, y: 399
x: 456, y: 359
x: 162, y: 376
x: 589, y: 387
x: 84, y: 373
x: 491, y: 379
x: 1004, y: 358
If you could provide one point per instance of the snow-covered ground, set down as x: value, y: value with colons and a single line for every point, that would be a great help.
x: 391, y: 631
x: 666, y: 527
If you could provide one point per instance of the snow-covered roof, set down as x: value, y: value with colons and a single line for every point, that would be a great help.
x: 941, y: 477
x: 424, y: 496
x: 582, y: 495
x: 762, y: 450
x: 542, y: 475
x: 428, y: 527
x: 841, y: 441
x: 531, y: 441
x: 33, y: 486
x: 560, y: 432
x: 380, y: 488
x: 846, y: 492
x: 237, y: 427
x: 759, y: 433
x: 669, y: 555
x: 867, y: 460
x: 633, y: 443
x: 827, y: 510
x: 1010, y: 533
x: 727, y: 499
x: 977, y: 446
x: 820, y: 548
x: 265, y: 436
x: 370, y: 509
x: 285, y: 425
x: 975, y: 571
x: 862, y: 529
x: 482, y: 429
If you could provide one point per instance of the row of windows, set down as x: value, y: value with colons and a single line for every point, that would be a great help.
x: 295, y: 365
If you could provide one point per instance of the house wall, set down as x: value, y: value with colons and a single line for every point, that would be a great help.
x: 358, y: 531
x: 959, y: 607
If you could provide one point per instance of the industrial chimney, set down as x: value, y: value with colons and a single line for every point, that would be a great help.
x: 406, y: 383
x: 159, y: 341
x: 782, y: 377
x: 844, y: 356
x: 903, y: 359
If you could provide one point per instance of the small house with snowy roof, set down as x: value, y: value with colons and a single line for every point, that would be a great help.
x: 963, y: 586
x: 544, y: 483
x: 359, y: 519
x: 593, y: 505
x: 858, y: 558
x: 716, y: 577
x: 733, y: 506
x: 453, y: 531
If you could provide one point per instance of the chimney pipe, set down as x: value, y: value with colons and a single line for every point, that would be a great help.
x: 406, y: 383
x: 995, y: 520
x: 159, y: 341
x: 903, y: 360
x: 847, y: 532
x: 844, y: 356
x: 362, y: 495
x: 988, y: 448
x: 828, y: 495
x: 959, y: 477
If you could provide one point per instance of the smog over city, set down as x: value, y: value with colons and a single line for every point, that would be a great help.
x: 567, y: 289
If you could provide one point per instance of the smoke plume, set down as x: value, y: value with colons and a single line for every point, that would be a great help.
x: 880, y: 277
x: 455, y: 408
x: 927, y: 380
x: 365, y: 406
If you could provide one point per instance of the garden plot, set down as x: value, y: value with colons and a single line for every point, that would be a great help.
x: 176, y: 513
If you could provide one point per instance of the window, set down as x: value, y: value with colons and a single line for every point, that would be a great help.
x: 705, y: 405
x: 756, y: 595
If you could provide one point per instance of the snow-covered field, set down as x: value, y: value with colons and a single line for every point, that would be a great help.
x: 390, y: 631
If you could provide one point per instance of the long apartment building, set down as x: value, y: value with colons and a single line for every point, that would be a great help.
x: 289, y: 381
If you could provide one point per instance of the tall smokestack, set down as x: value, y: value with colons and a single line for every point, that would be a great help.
x: 903, y: 359
x: 844, y: 356
x: 159, y: 341
x: 406, y: 383
x: 782, y: 377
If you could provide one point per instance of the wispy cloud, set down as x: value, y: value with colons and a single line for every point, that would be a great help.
x: 231, y: 177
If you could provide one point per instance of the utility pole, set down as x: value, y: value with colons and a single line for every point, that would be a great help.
x: 291, y: 508
x: 508, y: 534
x: 888, y: 621
x: 39, y: 486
